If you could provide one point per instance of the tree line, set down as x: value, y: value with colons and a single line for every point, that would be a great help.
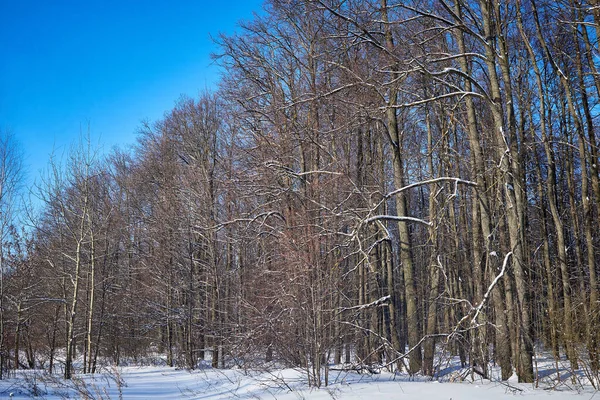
x: 375, y: 183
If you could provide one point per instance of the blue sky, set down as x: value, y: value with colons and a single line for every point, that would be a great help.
x: 110, y: 64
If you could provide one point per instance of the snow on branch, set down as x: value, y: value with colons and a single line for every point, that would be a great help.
x: 485, y: 299
x: 383, y: 301
x: 397, y: 218
x: 440, y: 97
x: 430, y: 181
x: 375, y: 218
x: 289, y: 171
x: 491, y: 287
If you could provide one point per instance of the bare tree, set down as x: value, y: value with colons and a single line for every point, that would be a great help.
x: 11, y: 178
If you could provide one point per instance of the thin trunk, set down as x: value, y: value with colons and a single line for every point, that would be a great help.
x: 490, y: 258
x: 434, y: 277
x: 406, y: 257
x: 551, y: 188
x: 568, y: 331
x: 53, y: 339
x: 2, y: 328
x: 592, y: 157
x: 91, y: 302
x: 18, y: 336
x: 511, y: 173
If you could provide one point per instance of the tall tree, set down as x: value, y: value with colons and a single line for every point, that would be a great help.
x: 11, y: 177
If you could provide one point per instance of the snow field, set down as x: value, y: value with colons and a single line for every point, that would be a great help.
x: 169, y: 383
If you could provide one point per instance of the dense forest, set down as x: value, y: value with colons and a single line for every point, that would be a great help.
x: 375, y: 184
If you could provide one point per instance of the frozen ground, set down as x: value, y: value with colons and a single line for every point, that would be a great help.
x: 169, y: 383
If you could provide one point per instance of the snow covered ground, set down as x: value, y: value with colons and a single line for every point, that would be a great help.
x: 168, y: 383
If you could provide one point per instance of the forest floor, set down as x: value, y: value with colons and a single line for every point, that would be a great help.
x: 154, y: 382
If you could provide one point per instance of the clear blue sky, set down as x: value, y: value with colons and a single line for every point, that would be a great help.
x: 109, y: 63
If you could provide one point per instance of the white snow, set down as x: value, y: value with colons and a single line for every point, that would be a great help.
x: 170, y: 383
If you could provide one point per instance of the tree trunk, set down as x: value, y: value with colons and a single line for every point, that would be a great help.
x: 510, y: 168
x: 406, y: 258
